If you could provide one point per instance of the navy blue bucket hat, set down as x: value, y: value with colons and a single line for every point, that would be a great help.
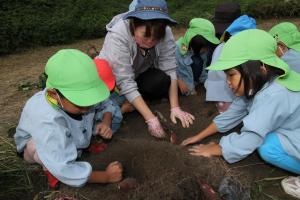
x: 151, y: 9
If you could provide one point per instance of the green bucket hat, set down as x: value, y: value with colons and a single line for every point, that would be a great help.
x: 75, y: 75
x: 198, y: 26
x: 287, y: 33
x: 255, y: 44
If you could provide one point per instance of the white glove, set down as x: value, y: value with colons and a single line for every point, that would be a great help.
x: 185, y: 117
x: 155, y: 128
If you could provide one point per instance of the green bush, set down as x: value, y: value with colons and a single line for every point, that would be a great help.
x: 277, y: 9
x: 27, y: 23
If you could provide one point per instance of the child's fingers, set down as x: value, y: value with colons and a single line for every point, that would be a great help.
x: 196, y: 148
x: 116, y: 163
x: 108, y: 133
x: 187, y: 141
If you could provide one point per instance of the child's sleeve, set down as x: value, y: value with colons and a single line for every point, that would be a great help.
x: 267, y: 114
x: 111, y: 107
x: 233, y: 116
x: 183, y: 69
x: 58, y: 152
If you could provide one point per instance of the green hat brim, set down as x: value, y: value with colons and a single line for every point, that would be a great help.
x: 296, y: 47
x: 225, y: 64
x: 290, y: 79
x: 87, y: 97
x: 212, y: 39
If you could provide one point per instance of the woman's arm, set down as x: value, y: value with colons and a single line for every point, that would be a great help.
x: 173, y: 94
x: 143, y: 108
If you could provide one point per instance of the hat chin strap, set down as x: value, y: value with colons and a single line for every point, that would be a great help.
x: 59, y: 101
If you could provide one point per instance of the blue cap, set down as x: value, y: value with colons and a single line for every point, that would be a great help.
x: 244, y: 22
x: 150, y: 9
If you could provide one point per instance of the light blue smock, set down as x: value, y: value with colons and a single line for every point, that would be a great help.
x: 292, y: 58
x: 216, y: 86
x: 184, y: 70
x: 59, y: 138
x: 273, y: 109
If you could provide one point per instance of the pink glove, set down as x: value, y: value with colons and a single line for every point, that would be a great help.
x: 185, y: 117
x: 155, y: 128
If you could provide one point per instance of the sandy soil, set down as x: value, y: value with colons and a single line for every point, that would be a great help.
x: 163, y: 170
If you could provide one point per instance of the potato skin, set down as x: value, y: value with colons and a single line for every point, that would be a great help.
x: 127, y: 184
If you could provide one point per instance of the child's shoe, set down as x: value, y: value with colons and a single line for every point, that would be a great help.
x: 291, y: 185
x: 52, y: 181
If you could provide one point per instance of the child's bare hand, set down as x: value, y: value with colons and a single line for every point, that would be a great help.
x: 114, y: 172
x: 104, y: 130
x: 182, y: 87
x: 190, y: 140
x: 206, y: 150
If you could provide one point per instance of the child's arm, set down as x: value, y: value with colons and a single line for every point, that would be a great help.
x: 210, y: 130
x: 104, y: 127
x: 112, y: 174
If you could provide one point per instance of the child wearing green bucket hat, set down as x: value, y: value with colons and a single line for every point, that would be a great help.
x: 288, y: 49
x: 57, y: 123
x: 216, y: 87
x: 193, y: 54
x: 288, y: 41
x: 267, y: 102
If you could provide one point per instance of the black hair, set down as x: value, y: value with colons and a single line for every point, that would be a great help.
x: 227, y: 36
x: 197, y: 43
x: 155, y: 28
x: 254, y: 79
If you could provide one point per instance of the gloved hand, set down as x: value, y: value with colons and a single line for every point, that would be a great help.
x: 185, y: 117
x: 155, y: 128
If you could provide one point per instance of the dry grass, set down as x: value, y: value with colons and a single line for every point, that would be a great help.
x: 14, y: 173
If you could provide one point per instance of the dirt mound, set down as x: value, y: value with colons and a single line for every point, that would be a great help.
x: 163, y: 170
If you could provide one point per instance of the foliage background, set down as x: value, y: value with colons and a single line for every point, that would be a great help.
x: 30, y: 23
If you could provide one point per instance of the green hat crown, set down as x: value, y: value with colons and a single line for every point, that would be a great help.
x: 287, y: 33
x: 198, y: 26
x: 255, y: 44
x: 75, y: 75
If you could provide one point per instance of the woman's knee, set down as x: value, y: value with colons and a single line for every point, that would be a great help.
x: 154, y: 84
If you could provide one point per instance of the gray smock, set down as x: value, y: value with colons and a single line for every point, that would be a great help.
x: 120, y: 50
x: 273, y: 109
x: 216, y: 86
x: 59, y: 139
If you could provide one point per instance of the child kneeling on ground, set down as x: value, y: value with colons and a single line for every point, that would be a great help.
x: 57, y: 123
x: 267, y: 102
